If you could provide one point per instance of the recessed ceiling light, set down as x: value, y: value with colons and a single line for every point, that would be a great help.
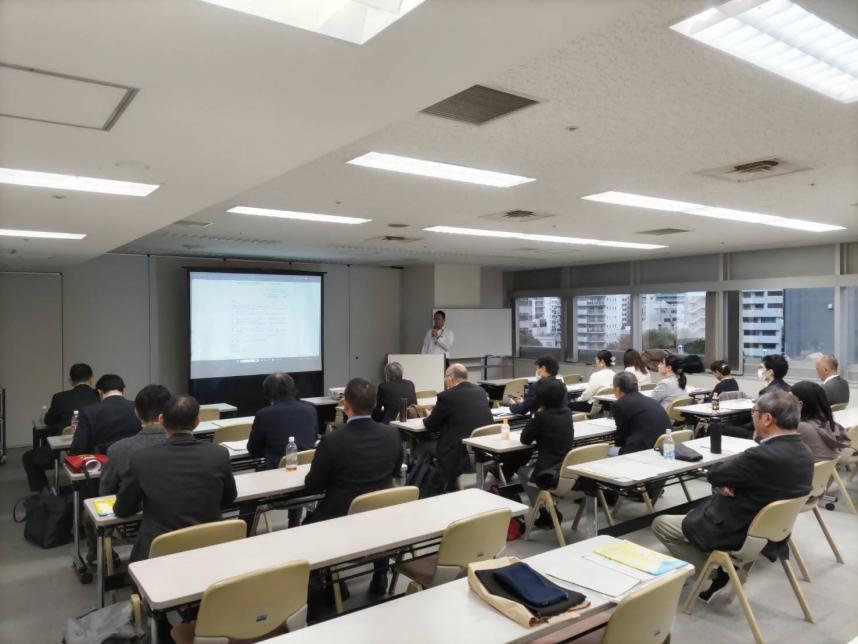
x: 72, y: 182
x: 783, y: 38
x: 353, y: 20
x: 302, y: 216
x: 688, y: 208
x: 554, y: 239
x: 33, y: 234
x: 436, y: 170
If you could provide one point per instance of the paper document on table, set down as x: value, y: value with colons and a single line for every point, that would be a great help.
x: 640, y: 558
x: 590, y: 574
x: 235, y: 446
x: 500, y: 411
x: 104, y: 506
x: 603, y: 422
x: 624, y: 470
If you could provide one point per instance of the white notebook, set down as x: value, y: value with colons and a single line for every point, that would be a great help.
x: 595, y: 575
x: 235, y: 446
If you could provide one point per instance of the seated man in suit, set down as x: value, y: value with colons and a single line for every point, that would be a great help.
x: 780, y: 467
x: 458, y: 411
x: 836, y: 388
x: 102, y: 424
x: 63, y: 405
x: 640, y: 420
x: 179, y: 483
x: 284, y: 417
x: 362, y: 456
x: 546, y: 368
x: 391, y: 393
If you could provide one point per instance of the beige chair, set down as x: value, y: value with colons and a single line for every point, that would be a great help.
x: 732, y: 395
x: 579, y: 417
x: 250, y: 607
x: 67, y: 430
x: 846, y: 459
x: 596, y: 409
x: 232, y: 433
x: 465, y: 541
x: 197, y: 536
x: 573, y: 378
x: 676, y: 416
x: 679, y: 436
x: 564, y: 490
x: 839, y: 406
x: 647, y: 387
x: 305, y: 457
x: 426, y: 393
x: 209, y: 414
x: 773, y: 523
x: 514, y: 388
x: 485, y: 430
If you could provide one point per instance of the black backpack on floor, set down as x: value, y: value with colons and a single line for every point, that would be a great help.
x: 47, y: 519
x: 426, y: 476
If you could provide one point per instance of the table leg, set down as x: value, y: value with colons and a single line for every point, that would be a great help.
x: 590, y: 525
x: 480, y: 471
x: 76, y: 558
x: 99, y: 559
x: 153, y: 628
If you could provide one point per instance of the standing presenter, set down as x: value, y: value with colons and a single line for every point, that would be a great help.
x: 439, y: 339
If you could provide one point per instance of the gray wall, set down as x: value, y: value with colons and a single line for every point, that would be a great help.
x: 418, y: 299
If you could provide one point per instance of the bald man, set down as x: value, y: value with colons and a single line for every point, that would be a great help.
x: 459, y: 410
x: 836, y: 388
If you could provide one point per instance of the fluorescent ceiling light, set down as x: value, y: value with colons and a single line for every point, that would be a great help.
x: 302, y: 216
x: 5, y: 232
x: 436, y: 170
x: 685, y: 207
x: 353, y: 20
x: 71, y: 182
x: 554, y: 239
x: 783, y: 38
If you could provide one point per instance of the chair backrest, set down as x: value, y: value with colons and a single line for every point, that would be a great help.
x: 674, y: 415
x: 68, y: 430
x: 838, y: 406
x: 576, y: 456
x: 605, y: 391
x: 579, y: 417
x: 305, y: 457
x: 647, y: 387
x: 232, y: 433
x: 515, y: 387
x: 486, y: 430
x: 732, y: 395
x: 853, y: 437
x: 209, y: 414
x: 678, y: 437
x: 573, y: 378
x: 197, y: 536
x: 822, y: 471
x: 255, y: 604
x: 773, y: 523
x: 646, y: 616
x: 384, y: 498
x: 465, y: 541
x: 426, y: 393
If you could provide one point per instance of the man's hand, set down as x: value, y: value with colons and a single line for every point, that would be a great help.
x: 516, y: 399
x: 434, y: 333
x: 726, y: 491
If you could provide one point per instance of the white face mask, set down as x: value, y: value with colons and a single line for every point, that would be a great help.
x: 761, y: 374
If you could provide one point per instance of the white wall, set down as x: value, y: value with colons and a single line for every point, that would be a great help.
x: 457, y: 286
x: 491, y: 289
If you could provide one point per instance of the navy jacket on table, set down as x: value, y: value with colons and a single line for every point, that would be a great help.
x: 457, y: 412
x: 552, y: 431
x: 390, y: 395
x: 359, y: 457
x: 273, y: 425
x: 102, y: 424
x: 180, y: 483
x: 65, y: 403
x: 640, y: 421
x: 780, y: 467
x: 529, y: 403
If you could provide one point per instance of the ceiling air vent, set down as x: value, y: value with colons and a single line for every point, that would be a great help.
x: 753, y: 170
x: 517, y: 215
x: 478, y: 105
x: 659, y: 232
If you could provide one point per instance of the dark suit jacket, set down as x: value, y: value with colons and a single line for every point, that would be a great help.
x: 775, y: 385
x: 273, y: 425
x: 529, y: 403
x: 552, y: 431
x: 389, y: 395
x: 180, y: 483
x: 780, y: 468
x: 457, y: 412
x: 102, y: 424
x: 727, y: 384
x: 640, y: 421
x: 362, y: 456
x: 66, y: 403
x: 837, y: 390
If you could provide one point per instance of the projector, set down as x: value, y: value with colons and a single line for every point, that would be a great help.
x: 337, y: 392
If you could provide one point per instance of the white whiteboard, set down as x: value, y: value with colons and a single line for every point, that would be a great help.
x: 480, y: 332
x: 425, y: 371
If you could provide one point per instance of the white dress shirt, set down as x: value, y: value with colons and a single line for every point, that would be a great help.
x: 441, y: 344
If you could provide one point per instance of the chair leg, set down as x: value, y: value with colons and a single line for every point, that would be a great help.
x: 395, y: 576
x: 827, y: 534
x: 582, y: 506
x: 743, y: 599
x: 805, y: 573
x: 647, y: 499
x: 540, y: 499
x: 684, y: 489
x: 501, y: 476
x: 797, y: 590
x: 338, y: 595
x: 707, y: 568
x: 267, y: 522
x: 555, y: 521
x: 601, y: 494
x: 845, y: 491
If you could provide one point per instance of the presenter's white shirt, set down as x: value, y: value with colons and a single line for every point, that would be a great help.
x: 442, y: 344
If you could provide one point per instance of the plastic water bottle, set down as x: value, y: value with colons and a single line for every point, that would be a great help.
x: 291, y: 455
x: 668, y: 449
x: 74, y: 420
x: 505, y: 430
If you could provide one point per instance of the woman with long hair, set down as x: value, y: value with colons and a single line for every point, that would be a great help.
x: 818, y: 429
x: 634, y: 364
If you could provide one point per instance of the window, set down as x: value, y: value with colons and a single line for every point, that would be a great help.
x: 539, y: 322
x: 674, y: 321
x: 603, y: 322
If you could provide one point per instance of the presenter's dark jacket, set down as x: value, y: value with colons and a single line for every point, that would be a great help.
x: 457, y: 412
x: 65, y: 403
x: 180, y: 483
x: 837, y: 390
x: 780, y: 467
x: 389, y: 398
x: 273, y: 425
x: 102, y: 424
x: 725, y: 384
x: 361, y: 456
x: 552, y: 431
x: 529, y: 403
x: 640, y: 421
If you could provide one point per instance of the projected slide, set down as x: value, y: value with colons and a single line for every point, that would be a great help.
x: 253, y: 323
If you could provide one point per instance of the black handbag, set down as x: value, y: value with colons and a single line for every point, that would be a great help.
x: 47, y: 519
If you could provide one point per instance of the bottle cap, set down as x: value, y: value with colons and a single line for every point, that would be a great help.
x: 291, y: 439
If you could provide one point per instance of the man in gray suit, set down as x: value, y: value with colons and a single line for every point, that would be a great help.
x: 836, y: 388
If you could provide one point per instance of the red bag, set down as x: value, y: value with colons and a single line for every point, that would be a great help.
x: 85, y: 463
x: 516, y: 524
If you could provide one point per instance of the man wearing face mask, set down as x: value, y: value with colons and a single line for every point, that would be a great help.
x: 772, y: 370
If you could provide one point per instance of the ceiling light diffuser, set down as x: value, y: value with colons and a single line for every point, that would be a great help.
x: 301, y: 216
x: 782, y: 37
x: 355, y: 21
x: 72, y: 182
x: 699, y: 210
x: 33, y: 234
x: 554, y: 239
x: 436, y: 170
